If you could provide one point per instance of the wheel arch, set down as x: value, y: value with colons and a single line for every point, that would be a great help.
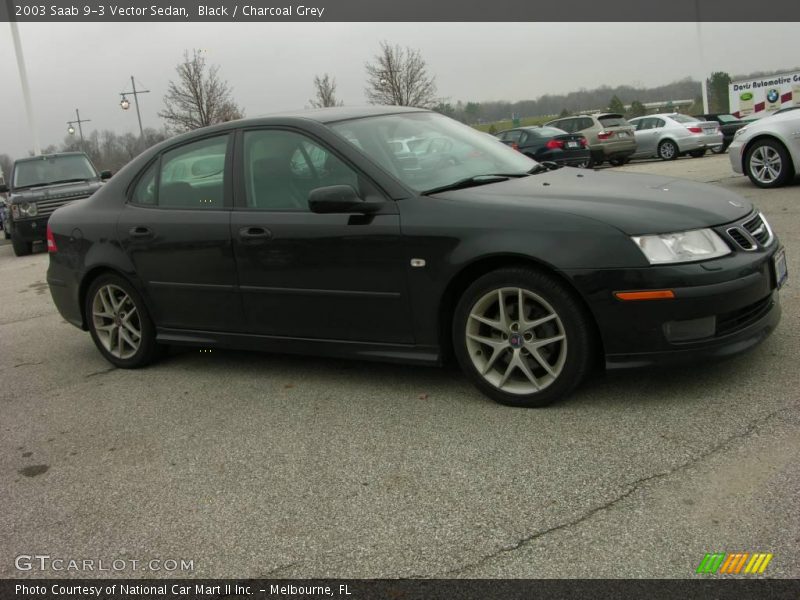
x: 766, y: 137
x: 90, y: 276
x: 479, y: 267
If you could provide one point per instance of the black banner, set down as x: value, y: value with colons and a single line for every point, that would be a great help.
x: 248, y: 11
x: 402, y: 589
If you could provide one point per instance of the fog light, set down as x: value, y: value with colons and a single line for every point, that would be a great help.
x: 691, y: 329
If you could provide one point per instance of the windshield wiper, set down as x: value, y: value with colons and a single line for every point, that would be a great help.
x: 68, y: 180
x: 473, y: 181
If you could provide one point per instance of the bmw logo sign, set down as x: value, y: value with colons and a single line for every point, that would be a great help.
x: 773, y: 95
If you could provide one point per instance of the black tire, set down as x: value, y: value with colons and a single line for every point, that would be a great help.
x: 783, y: 166
x: 571, y: 357
x: 21, y: 247
x: 148, y: 350
x: 697, y: 153
x: 618, y: 162
x: 721, y: 149
x: 668, y: 150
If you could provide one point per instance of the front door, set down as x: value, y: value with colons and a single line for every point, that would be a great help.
x: 308, y: 275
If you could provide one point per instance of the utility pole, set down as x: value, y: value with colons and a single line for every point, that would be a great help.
x: 703, y: 82
x: 71, y: 129
x: 26, y: 92
x: 125, y: 104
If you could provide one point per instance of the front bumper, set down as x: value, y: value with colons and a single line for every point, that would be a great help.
x: 735, y: 156
x: 31, y: 230
x: 721, y: 307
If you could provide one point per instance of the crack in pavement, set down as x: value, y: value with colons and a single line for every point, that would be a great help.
x: 103, y: 372
x: 632, y: 487
x: 28, y: 364
x: 25, y: 319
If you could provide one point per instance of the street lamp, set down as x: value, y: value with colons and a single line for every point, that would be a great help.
x: 71, y: 126
x: 125, y: 103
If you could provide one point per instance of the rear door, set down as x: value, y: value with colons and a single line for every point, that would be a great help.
x: 175, y: 229
x: 646, y: 136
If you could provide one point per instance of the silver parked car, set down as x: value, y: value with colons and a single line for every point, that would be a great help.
x: 768, y: 150
x: 668, y: 136
x: 609, y: 135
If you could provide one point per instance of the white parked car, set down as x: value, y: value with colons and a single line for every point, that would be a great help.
x: 668, y: 136
x: 768, y: 150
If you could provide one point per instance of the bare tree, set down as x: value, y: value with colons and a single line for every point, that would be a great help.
x: 199, y: 97
x: 399, y: 76
x: 5, y: 166
x: 325, y: 87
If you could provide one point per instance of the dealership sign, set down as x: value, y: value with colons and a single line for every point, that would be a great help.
x: 764, y: 95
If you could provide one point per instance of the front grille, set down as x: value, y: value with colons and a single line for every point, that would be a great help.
x: 739, y: 319
x: 47, y: 207
x: 750, y: 233
x: 758, y: 230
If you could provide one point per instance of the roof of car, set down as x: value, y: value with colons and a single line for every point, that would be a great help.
x: 51, y: 155
x: 340, y: 113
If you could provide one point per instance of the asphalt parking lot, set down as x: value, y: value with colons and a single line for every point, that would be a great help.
x: 256, y: 465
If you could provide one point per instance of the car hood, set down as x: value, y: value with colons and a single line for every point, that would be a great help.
x: 633, y: 203
x: 77, y: 189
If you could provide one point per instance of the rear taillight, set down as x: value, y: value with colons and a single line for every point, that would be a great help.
x: 51, y: 241
x: 695, y: 129
x: 554, y: 144
x: 604, y: 135
x: 584, y: 142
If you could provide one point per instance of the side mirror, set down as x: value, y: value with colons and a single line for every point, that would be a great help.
x: 339, y: 199
x: 3, y: 188
x: 104, y: 175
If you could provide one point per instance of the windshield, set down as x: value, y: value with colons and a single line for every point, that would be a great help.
x: 51, y: 169
x: 613, y: 121
x: 426, y: 150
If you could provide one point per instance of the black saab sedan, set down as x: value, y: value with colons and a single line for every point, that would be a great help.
x: 313, y: 233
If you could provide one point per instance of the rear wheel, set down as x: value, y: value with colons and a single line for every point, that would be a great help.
x: 721, y: 149
x: 697, y: 153
x: 522, y: 337
x: 21, y: 247
x: 119, y: 323
x: 667, y: 150
x: 767, y: 164
x: 618, y: 162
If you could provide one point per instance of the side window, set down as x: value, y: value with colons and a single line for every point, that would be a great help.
x: 145, y: 190
x: 567, y: 125
x: 513, y: 136
x: 585, y: 123
x: 282, y: 167
x: 193, y: 176
x: 658, y: 123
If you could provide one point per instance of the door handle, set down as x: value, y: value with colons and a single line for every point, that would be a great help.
x: 255, y: 233
x: 140, y: 232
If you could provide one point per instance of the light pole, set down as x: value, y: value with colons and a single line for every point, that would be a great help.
x: 125, y: 104
x: 26, y: 92
x: 77, y: 120
x: 703, y: 83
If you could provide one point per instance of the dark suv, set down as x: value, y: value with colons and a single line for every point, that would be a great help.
x: 41, y: 184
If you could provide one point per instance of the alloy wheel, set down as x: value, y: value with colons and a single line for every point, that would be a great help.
x: 116, y: 321
x: 765, y: 164
x: 516, y: 340
x: 667, y: 150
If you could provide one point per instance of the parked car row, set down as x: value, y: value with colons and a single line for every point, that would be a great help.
x: 591, y: 140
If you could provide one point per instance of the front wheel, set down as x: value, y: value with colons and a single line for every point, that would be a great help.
x: 119, y: 323
x: 522, y: 337
x: 768, y: 164
x: 667, y: 150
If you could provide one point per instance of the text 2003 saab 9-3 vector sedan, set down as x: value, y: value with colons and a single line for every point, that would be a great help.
x: 312, y: 233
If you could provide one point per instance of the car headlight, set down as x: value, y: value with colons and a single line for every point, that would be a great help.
x: 684, y: 246
x: 28, y: 209
x: 739, y: 132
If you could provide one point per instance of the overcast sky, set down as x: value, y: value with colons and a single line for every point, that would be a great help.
x: 271, y: 66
